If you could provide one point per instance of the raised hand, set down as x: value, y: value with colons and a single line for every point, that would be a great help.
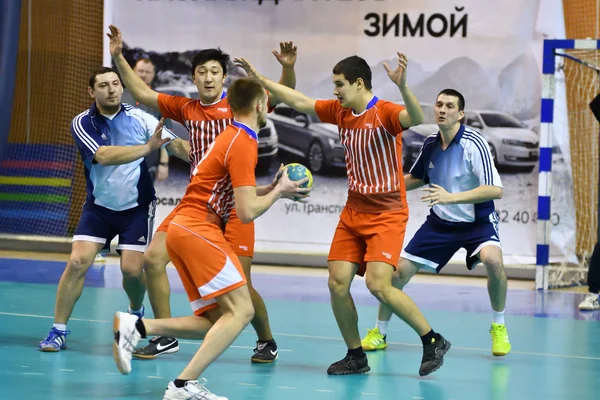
x: 157, y: 141
x: 398, y: 75
x: 246, y: 66
x: 287, y: 55
x: 116, y: 42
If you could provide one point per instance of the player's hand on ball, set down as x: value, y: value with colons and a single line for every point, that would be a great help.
x: 291, y: 189
x: 435, y: 194
x: 116, y: 42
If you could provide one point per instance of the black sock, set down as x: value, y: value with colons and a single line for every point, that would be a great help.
x: 270, y: 341
x: 358, y: 352
x: 180, y: 382
x: 429, y: 336
x: 139, y: 325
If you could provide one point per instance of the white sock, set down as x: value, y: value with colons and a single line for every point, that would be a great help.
x: 499, y: 317
x: 382, y: 325
x: 60, y: 327
x: 131, y: 311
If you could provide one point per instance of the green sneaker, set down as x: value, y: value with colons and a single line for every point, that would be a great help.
x: 373, y: 341
x: 500, y: 343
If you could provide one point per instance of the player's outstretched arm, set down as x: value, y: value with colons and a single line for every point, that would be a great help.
x: 291, y: 97
x: 138, y: 88
x: 117, y: 155
x: 180, y: 148
x: 413, y: 115
x: 436, y: 194
x: 287, y: 55
x: 250, y: 206
x: 412, y: 182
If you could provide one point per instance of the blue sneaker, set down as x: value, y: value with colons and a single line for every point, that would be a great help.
x: 139, y: 315
x: 55, y: 341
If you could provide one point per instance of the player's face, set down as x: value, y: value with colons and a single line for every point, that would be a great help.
x: 345, y: 92
x: 209, y: 80
x: 145, y: 70
x: 446, y: 111
x: 262, y: 109
x: 107, y: 91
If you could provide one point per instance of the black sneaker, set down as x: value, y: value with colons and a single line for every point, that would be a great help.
x: 158, y: 345
x: 350, y: 365
x: 433, y: 356
x: 265, y: 352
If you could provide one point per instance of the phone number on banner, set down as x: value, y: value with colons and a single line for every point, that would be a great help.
x: 523, y: 217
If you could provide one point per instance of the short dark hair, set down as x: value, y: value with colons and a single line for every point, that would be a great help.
x: 242, y: 93
x: 352, y: 68
x: 211, y: 55
x: 144, y: 60
x: 454, y: 93
x: 100, y: 71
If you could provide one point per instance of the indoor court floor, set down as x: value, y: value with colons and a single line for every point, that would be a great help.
x: 556, y: 348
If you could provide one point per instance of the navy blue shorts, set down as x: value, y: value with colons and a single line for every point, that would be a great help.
x: 100, y: 225
x: 436, y: 241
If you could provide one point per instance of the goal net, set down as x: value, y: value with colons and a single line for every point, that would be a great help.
x: 572, y: 135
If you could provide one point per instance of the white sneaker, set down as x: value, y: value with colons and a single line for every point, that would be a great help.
x: 126, y: 338
x: 590, y: 303
x: 193, y: 390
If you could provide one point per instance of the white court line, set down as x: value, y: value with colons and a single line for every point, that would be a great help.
x: 66, y: 370
x: 286, y: 387
x: 155, y: 377
x: 324, y: 390
x: 525, y: 353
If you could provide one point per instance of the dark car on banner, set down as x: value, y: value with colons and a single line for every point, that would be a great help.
x: 308, y: 140
x: 267, y: 136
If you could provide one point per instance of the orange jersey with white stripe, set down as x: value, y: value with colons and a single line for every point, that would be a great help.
x: 204, y: 122
x: 228, y: 163
x: 372, y: 152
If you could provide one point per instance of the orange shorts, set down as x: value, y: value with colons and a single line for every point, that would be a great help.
x: 206, y: 264
x: 363, y: 237
x: 240, y: 236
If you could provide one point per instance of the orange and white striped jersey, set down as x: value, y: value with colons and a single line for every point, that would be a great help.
x: 228, y: 163
x: 204, y: 122
x: 373, y: 154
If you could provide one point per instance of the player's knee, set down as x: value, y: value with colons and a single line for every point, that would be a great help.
x: 377, y: 286
x: 79, y: 263
x: 154, y: 262
x: 495, y: 268
x: 132, y: 272
x: 244, y: 311
x: 338, y: 286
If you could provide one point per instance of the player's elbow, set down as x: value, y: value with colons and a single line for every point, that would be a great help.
x: 101, y: 157
x: 499, y: 193
x: 244, y: 210
x: 245, y: 214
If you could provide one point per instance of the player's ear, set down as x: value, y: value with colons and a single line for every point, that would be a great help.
x: 461, y: 115
x: 359, y: 83
x: 224, y: 78
x: 91, y: 92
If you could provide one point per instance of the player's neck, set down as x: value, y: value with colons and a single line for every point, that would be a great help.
x: 362, y: 102
x: 449, y: 133
x: 248, y: 120
x: 108, y: 110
